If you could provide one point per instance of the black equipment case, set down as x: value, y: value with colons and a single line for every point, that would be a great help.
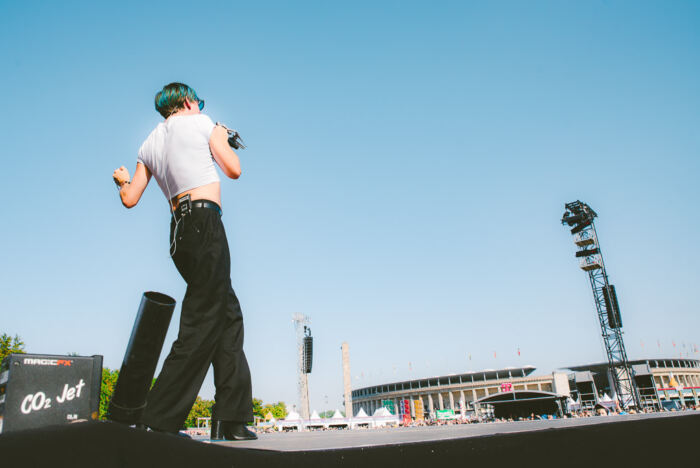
x: 40, y: 390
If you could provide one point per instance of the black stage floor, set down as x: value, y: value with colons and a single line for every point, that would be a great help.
x: 641, y: 440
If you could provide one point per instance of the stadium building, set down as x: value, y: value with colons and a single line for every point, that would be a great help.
x: 658, y: 380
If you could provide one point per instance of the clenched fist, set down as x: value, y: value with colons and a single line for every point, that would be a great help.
x: 121, y: 176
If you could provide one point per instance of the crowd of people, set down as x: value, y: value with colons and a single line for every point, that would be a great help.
x: 472, y: 418
x: 598, y: 410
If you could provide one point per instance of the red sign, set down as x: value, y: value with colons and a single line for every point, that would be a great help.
x: 506, y: 387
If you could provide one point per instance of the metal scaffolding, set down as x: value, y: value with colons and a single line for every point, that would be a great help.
x: 580, y: 216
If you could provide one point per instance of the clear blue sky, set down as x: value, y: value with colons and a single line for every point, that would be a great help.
x: 407, y: 169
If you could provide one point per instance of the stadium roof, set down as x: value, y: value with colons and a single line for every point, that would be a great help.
x: 653, y: 363
x: 519, y: 395
x: 451, y: 379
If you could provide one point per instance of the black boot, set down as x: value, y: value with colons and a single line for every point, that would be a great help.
x: 231, y: 430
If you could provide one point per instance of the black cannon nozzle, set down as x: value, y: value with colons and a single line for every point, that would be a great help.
x: 141, y: 357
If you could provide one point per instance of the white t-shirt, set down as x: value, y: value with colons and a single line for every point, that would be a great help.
x: 177, y: 154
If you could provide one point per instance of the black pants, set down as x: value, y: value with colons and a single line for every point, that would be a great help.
x: 211, y: 330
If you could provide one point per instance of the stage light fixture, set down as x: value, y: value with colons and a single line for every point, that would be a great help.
x: 586, y: 253
x: 581, y: 226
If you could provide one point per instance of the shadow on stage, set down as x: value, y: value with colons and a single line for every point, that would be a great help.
x: 628, y: 443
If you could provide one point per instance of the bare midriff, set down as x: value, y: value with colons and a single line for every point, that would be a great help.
x: 210, y: 192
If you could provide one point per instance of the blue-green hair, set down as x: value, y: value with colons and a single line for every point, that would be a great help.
x: 172, y: 97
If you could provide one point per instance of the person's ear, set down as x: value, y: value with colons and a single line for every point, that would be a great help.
x: 187, y: 104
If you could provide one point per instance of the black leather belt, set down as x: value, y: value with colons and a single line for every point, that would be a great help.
x: 196, y: 204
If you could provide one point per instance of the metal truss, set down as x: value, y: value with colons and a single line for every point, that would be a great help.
x: 580, y: 216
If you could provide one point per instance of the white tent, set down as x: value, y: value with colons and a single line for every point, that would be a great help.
x: 315, y: 420
x: 382, y: 413
x: 382, y: 417
x: 361, y: 419
x: 606, y: 398
x: 292, y: 420
x: 338, y: 420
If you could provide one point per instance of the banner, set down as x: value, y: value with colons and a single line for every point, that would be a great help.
x: 418, y: 409
x: 445, y: 414
x: 389, y: 405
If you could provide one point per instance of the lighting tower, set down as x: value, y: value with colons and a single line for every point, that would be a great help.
x: 580, y: 216
x: 305, y: 350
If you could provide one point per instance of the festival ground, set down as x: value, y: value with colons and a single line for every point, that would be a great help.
x: 628, y: 440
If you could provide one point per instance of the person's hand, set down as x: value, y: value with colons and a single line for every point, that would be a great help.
x: 121, y: 176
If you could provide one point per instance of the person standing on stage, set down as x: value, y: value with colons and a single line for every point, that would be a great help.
x: 181, y: 152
